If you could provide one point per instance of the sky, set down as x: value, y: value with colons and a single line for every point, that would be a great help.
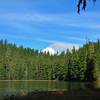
x: 48, y: 23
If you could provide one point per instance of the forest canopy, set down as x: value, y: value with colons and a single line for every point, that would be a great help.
x: 19, y: 63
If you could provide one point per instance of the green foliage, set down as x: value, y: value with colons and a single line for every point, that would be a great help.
x: 18, y: 63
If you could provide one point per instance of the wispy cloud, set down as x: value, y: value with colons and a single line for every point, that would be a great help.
x: 67, y: 20
x: 64, y: 38
x: 59, y: 45
x: 45, y: 40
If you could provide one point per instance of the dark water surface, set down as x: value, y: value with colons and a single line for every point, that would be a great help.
x: 15, y: 87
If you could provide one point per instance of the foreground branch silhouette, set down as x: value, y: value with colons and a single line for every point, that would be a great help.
x: 82, y: 4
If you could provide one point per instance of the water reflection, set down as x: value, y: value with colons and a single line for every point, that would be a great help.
x: 15, y: 87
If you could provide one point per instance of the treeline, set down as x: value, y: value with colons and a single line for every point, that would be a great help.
x: 18, y: 63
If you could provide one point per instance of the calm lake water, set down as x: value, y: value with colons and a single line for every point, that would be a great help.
x: 14, y: 87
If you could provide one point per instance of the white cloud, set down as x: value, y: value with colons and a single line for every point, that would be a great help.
x: 60, y: 46
x: 88, y: 20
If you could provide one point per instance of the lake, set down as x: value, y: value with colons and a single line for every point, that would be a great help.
x: 15, y: 87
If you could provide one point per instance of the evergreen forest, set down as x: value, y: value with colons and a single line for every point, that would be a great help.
x: 19, y: 63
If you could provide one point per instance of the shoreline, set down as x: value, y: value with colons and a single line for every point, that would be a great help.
x: 33, y: 80
x: 57, y: 95
x: 52, y: 81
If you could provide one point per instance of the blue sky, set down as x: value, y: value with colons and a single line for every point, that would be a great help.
x: 48, y: 23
